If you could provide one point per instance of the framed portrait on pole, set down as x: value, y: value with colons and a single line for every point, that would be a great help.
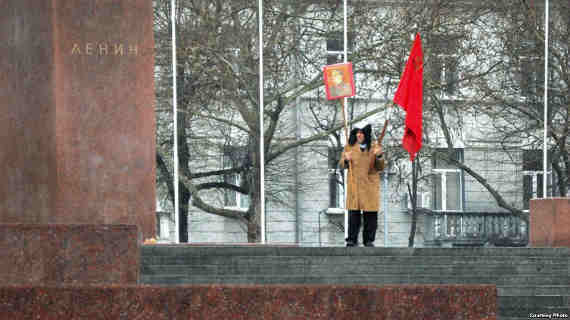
x: 339, y: 80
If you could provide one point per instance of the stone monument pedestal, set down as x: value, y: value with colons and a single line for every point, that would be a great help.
x: 550, y: 222
x: 40, y: 255
x: 77, y: 124
x: 290, y: 301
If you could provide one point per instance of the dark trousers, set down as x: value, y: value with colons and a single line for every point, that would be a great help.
x: 370, y: 226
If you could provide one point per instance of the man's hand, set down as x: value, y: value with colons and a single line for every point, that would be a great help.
x: 377, y: 150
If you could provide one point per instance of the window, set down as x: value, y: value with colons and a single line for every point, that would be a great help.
x: 235, y: 199
x: 336, y: 179
x: 234, y: 157
x: 335, y: 47
x: 423, y: 201
x: 164, y: 227
x: 531, y: 75
x: 533, y: 176
x: 448, y: 186
x: 448, y: 192
x: 444, y: 63
x: 530, y: 65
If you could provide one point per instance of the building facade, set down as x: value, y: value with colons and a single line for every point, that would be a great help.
x: 474, y: 181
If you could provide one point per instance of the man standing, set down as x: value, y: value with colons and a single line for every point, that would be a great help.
x: 364, y: 161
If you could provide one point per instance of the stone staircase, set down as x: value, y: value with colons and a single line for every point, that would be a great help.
x: 529, y: 280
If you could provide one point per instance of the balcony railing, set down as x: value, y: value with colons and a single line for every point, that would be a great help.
x: 451, y: 228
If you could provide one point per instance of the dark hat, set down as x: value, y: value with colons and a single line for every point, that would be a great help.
x: 367, y: 130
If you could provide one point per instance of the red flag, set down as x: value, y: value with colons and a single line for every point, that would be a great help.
x: 410, y: 97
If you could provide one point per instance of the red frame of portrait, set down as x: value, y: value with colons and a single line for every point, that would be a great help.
x: 348, y: 77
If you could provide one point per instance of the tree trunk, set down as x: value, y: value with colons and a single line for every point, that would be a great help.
x: 183, y: 163
x: 254, y: 213
x: 183, y: 207
x: 253, y: 232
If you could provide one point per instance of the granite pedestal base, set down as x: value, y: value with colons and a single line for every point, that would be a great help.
x: 69, y: 254
x: 250, y: 302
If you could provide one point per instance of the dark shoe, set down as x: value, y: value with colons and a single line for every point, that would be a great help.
x: 350, y: 244
x: 369, y: 244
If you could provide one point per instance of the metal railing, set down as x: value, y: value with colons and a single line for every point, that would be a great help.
x: 456, y: 228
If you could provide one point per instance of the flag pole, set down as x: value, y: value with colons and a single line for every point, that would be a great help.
x: 345, y: 59
x: 350, y: 161
x: 261, y: 129
x: 344, y: 119
x: 385, y: 189
x: 545, y: 147
x: 175, y: 125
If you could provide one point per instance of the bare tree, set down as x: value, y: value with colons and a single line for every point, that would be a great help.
x: 520, y: 92
x: 218, y: 83
x: 218, y: 98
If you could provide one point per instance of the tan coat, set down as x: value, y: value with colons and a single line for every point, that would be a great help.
x: 363, y: 181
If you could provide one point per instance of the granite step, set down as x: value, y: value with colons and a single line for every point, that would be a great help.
x: 266, y: 250
x: 334, y: 279
x: 501, y: 266
x: 525, y: 301
x: 529, y: 280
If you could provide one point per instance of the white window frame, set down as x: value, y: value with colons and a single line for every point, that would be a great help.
x: 442, y: 173
x: 238, y: 196
x: 339, y: 55
x: 164, y: 227
x: 236, y: 180
x: 535, y: 165
x: 534, y: 174
x: 339, y: 189
x: 444, y: 57
x: 424, y: 198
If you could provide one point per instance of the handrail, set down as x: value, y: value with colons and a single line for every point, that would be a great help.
x: 458, y: 228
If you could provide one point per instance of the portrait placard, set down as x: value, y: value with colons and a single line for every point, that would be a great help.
x: 339, y: 80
